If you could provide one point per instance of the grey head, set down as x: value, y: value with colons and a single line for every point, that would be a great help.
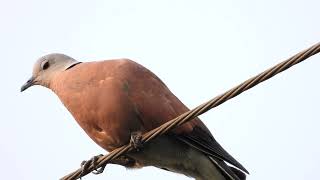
x: 47, y: 67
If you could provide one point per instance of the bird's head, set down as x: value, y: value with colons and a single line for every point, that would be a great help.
x: 47, y: 67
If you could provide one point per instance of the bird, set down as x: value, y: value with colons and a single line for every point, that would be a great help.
x: 116, y: 101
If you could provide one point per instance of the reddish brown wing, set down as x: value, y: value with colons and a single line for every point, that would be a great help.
x: 156, y: 105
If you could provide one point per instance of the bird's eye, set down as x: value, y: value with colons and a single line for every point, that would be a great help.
x: 45, y: 65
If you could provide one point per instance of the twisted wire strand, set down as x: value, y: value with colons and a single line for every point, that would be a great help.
x: 187, y: 116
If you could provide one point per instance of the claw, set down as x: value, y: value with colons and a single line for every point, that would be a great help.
x: 86, y: 164
x: 136, y: 140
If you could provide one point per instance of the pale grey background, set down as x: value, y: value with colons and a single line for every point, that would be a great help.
x: 199, y: 48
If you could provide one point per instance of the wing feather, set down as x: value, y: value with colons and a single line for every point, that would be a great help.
x: 202, y: 140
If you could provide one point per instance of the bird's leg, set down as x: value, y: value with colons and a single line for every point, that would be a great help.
x: 122, y: 160
x: 136, y: 140
x: 85, y: 165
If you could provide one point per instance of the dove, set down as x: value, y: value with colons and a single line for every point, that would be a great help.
x: 116, y: 101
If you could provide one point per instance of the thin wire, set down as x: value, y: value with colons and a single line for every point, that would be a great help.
x: 201, y: 109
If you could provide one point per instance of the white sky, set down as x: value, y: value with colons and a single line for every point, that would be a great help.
x: 199, y: 48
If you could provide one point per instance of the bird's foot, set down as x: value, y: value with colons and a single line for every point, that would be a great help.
x: 136, y: 140
x: 86, y: 164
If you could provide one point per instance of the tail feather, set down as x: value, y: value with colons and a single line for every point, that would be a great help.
x: 230, y: 172
x: 224, y: 168
x: 239, y: 173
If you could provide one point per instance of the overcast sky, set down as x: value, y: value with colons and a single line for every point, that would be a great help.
x: 198, y: 48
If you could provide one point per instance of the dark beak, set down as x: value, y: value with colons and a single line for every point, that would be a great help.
x: 28, y: 84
